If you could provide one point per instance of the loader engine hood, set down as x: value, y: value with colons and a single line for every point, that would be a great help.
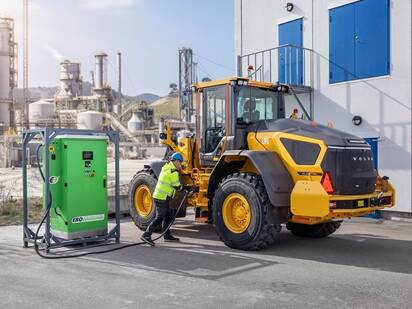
x: 348, y: 159
x: 330, y: 136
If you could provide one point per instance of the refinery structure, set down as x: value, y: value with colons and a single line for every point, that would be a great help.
x: 102, y: 108
x: 8, y: 74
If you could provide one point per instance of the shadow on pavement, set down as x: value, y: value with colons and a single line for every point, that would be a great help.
x: 359, y: 250
x: 202, y: 255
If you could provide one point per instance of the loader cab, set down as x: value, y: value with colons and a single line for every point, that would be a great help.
x: 229, y: 108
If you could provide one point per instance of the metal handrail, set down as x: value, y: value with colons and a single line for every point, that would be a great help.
x: 288, y: 64
x: 277, y: 47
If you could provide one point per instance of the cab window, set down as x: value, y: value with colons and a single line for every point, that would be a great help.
x: 255, y: 104
x: 214, y: 101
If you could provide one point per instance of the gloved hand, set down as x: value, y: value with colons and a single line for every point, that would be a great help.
x: 190, y: 188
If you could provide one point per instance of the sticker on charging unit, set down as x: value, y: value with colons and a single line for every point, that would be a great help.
x: 91, y: 218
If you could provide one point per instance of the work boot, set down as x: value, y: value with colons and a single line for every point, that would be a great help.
x: 170, y: 238
x: 147, y: 239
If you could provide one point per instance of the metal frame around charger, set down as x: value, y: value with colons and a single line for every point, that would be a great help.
x: 48, y: 134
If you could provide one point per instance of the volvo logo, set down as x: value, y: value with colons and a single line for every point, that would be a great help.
x: 362, y: 158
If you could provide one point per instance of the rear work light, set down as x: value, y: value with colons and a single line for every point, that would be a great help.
x: 327, y: 183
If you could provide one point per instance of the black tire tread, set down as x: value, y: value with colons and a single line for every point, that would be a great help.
x: 320, y: 230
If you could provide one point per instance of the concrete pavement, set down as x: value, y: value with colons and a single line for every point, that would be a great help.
x: 366, y: 264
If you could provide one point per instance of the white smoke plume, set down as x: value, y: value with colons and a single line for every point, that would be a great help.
x: 56, y: 54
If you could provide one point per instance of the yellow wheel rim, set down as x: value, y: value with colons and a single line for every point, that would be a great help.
x: 143, y: 202
x: 236, y: 213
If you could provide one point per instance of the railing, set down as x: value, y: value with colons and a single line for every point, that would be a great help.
x: 287, y: 64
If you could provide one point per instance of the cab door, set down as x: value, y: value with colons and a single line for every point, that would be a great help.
x: 216, y: 123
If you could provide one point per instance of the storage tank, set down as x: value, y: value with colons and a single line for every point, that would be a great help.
x: 41, y: 112
x: 70, y: 80
x: 4, y: 73
x: 136, y: 123
x: 89, y: 120
x: 100, y: 74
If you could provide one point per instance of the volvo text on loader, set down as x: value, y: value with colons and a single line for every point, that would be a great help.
x: 256, y: 170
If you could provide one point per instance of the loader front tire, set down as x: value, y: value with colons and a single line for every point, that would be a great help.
x: 320, y: 230
x: 243, y: 214
x: 141, y: 206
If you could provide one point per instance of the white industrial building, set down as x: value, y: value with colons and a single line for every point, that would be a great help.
x: 348, y: 62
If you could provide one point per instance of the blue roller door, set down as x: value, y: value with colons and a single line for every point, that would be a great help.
x: 359, y: 40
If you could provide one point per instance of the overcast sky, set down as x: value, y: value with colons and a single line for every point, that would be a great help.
x: 147, y: 32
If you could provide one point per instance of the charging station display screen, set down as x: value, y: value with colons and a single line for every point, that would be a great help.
x: 87, y: 155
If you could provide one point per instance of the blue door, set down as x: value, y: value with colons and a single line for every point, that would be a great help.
x: 342, y: 44
x: 359, y: 40
x: 373, y: 142
x: 291, y: 57
x: 372, y: 38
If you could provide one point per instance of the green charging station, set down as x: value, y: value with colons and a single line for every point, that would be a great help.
x: 73, y: 166
x: 78, y: 178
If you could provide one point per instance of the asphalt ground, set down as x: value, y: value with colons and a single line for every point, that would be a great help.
x: 366, y: 264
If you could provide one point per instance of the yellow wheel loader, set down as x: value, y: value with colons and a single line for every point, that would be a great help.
x: 255, y: 170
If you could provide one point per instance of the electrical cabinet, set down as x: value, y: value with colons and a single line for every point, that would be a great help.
x: 78, y: 186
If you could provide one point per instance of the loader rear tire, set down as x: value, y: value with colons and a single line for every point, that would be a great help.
x: 141, y: 206
x: 243, y: 214
x: 320, y: 230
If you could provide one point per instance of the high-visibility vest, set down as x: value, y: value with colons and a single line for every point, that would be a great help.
x: 167, y: 183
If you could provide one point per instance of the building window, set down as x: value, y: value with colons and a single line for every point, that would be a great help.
x: 359, y: 40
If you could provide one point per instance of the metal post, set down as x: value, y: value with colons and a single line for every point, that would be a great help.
x: 286, y: 67
x: 241, y: 27
x: 248, y: 62
x: 262, y: 74
x: 47, y: 184
x: 180, y: 85
x: 239, y: 66
x: 312, y: 107
x: 189, y: 91
x: 297, y: 65
x: 270, y: 66
x: 119, y: 82
x: 25, y: 209
x: 303, y: 67
x: 117, y: 190
x: 290, y: 64
x: 255, y: 67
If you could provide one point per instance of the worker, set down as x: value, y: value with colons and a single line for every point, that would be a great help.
x: 294, y: 114
x: 250, y: 114
x: 167, y: 184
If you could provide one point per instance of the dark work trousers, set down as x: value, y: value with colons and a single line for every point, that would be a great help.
x: 163, y: 217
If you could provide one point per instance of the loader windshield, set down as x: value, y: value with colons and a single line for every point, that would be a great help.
x: 255, y: 104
